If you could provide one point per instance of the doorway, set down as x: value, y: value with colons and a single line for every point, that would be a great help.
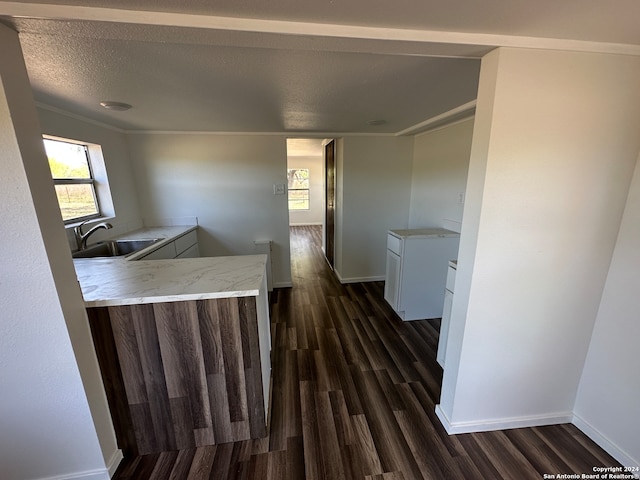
x: 306, y: 184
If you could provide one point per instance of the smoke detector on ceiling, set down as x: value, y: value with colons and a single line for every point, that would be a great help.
x: 115, y: 106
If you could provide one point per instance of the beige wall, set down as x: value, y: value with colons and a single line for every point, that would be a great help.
x: 374, y: 183
x: 226, y: 181
x: 439, y: 175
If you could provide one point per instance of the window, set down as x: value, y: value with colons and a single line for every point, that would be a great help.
x: 73, y: 179
x: 298, y: 188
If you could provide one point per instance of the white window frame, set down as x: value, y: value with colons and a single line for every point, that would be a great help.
x: 308, y: 190
x: 99, y: 180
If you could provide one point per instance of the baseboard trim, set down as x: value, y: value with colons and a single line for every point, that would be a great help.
x: 605, y: 443
x: 501, y: 424
x: 306, y: 224
x: 282, y: 285
x: 343, y: 280
x: 114, y: 462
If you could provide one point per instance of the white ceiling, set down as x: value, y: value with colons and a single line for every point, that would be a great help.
x: 290, y: 65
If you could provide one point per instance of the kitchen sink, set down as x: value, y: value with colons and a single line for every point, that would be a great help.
x: 114, y: 248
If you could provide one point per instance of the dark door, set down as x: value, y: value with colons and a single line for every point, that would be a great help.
x: 330, y: 190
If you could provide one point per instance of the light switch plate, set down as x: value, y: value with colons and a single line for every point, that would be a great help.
x: 278, y: 189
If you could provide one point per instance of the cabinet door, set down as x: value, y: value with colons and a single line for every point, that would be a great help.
x: 166, y: 251
x: 191, y: 252
x: 444, y: 328
x: 185, y: 242
x: 392, y: 280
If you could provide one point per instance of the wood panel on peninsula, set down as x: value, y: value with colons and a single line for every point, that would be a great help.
x: 185, y: 361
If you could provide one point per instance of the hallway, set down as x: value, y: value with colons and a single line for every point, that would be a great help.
x: 353, y: 397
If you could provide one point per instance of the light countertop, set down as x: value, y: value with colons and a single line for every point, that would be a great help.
x: 117, y: 281
x: 423, y: 232
x: 168, y: 234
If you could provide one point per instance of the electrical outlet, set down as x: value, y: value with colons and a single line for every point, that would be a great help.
x: 279, y: 189
x: 461, y: 197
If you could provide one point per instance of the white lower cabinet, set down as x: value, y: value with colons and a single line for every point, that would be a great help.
x: 185, y: 246
x: 192, y: 252
x: 417, y: 269
x: 165, y: 251
x: 392, y: 282
x: 446, y: 314
x: 186, y: 243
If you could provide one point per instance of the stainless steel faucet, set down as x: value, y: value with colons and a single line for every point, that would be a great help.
x: 81, y: 238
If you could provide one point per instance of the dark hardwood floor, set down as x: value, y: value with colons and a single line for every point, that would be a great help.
x: 353, y: 397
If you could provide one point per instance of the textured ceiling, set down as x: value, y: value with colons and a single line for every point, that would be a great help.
x: 181, y: 86
x: 183, y: 74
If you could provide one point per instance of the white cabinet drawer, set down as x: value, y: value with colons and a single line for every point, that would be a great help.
x: 166, y: 251
x: 192, y: 252
x: 186, y: 241
x: 394, y: 244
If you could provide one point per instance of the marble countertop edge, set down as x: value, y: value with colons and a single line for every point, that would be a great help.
x: 114, y: 302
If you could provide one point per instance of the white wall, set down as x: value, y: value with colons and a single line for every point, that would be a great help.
x: 46, y: 427
x: 439, y: 175
x: 373, y: 193
x: 226, y: 181
x: 315, y: 214
x: 607, y: 405
x: 554, y: 147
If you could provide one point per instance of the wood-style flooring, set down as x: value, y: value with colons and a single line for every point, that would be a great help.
x: 353, y: 397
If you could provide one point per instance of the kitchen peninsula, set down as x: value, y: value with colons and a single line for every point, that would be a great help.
x: 183, y: 347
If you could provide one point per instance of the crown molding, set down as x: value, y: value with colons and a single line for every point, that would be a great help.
x: 457, y: 114
x: 75, y: 116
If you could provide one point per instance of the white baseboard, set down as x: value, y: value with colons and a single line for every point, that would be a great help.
x: 305, y: 224
x: 358, y: 279
x: 501, y: 424
x: 607, y: 445
x: 114, y: 462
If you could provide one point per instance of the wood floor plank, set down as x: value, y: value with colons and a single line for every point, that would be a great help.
x: 390, y: 443
x: 181, y: 468
x: 505, y: 456
x: 329, y: 444
x: 311, y: 436
x: 221, y: 460
x: 202, y: 463
x: 536, y: 451
x: 365, y: 446
x: 422, y: 437
x: 354, y: 391
x: 295, y: 458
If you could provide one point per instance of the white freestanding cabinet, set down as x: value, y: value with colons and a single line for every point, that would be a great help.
x: 446, y: 313
x: 417, y: 262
